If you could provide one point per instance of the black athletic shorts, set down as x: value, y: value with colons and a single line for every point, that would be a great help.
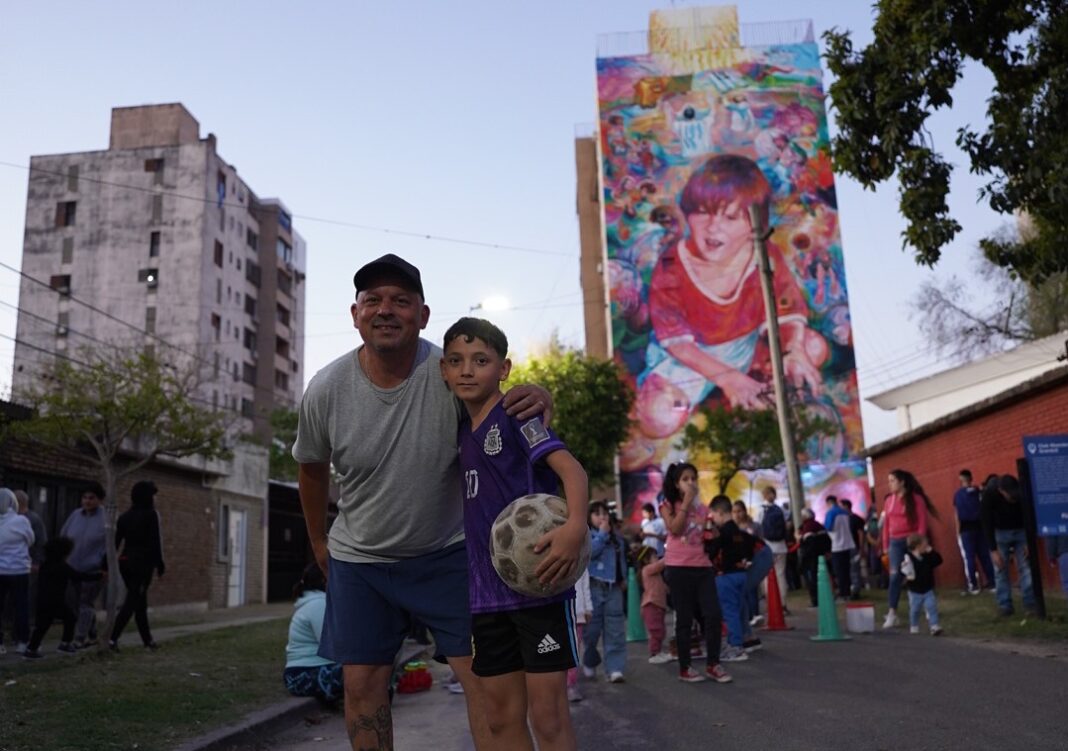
x: 536, y: 640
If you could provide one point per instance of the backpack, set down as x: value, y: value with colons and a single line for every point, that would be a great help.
x: 773, y: 525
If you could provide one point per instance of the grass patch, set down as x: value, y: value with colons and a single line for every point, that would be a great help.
x: 970, y: 617
x: 138, y: 699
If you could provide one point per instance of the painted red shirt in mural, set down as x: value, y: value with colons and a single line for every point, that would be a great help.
x: 684, y: 311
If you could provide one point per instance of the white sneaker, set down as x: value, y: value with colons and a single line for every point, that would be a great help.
x: 590, y: 673
x: 891, y: 619
x: 20, y: 648
x: 660, y: 659
x: 936, y: 630
x: 615, y: 677
x: 914, y: 629
x: 756, y: 619
x: 733, y: 654
x: 574, y: 695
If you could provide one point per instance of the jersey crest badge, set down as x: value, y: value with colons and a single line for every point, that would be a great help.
x: 492, y: 445
x: 535, y: 432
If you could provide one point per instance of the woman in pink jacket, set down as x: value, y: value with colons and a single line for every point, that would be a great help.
x: 906, y: 511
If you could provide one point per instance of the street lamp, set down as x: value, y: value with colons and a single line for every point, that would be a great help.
x: 492, y: 304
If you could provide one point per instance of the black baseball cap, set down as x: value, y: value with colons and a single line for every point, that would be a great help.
x: 388, y: 264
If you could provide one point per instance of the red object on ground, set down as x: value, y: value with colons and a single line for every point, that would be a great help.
x: 413, y: 682
x: 776, y: 617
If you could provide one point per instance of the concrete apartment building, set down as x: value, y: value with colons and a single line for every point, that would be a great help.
x: 159, y: 231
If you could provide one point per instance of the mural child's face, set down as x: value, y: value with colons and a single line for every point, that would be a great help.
x: 721, y: 236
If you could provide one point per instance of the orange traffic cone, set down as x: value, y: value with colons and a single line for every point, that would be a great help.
x: 776, y: 617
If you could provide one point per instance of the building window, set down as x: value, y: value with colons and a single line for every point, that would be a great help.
x: 66, y: 212
x: 250, y: 340
x: 153, y: 245
x: 283, y: 316
x: 281, y: 346
x: 157, y: 208
x: 155, y: 166
x: 281, y: 380
x: 285, y: 221
x: 60, y: 283
x: 63, y: 324
x: 218, y: 254
x: 222, y: 545
x: 72, y: 178
x: 252, y: 239
x: 229, y: 293
x: 149, y: 276
x: 216, y: 364
x: 252, y: 273
x: 285, y: 251
x: 248, y: 373
x: 248, y: 408
x: 285, y: 284
x: 150, y: 320
x: 218, y: 291
x: 250, y: 305
x: 67, y: 255
x: 293, y: 366
x: 216, y: 324
x: 237, y: 373
x: 238, y: 264
x: 214, y: 399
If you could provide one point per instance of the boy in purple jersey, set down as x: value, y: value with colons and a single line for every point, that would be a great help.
x: 523, y: 646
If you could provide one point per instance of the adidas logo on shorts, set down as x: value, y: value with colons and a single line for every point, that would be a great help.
x: 548, y: 644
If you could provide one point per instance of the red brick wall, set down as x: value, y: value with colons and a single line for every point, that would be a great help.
x: 989, y: 443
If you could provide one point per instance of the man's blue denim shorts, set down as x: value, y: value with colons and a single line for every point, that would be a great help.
x: 370, y: 606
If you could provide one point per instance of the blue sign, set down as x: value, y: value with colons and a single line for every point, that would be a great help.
x: 1047, y: 456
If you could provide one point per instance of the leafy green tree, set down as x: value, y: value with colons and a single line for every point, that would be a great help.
x: 745, y: 439
x: 885, y: 93
x: 591, y: 405
x: 283, y: 436
x: 119, y: 410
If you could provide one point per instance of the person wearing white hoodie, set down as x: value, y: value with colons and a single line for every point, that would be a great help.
x: 306, y: 673
x: 16, y: 537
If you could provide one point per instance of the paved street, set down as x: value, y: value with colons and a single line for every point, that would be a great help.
x: 881, y: 691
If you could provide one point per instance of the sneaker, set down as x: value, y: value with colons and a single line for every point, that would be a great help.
x: 718, y: 674
x: 891, y: 619
x: 733, y: 654
x: 455, y: 687
x: 151, y: 646
x: 20, y: 647
x: 689, y: 675
x: 974, y: 590
x: 936, y: 630
x: 615, y: 677
x: 660, y: 659
x: 574, y: 695
x: 914, y: 629
x: 590, y: 673
x: 752, y: 645
x: 67, y: 648
x: 756, y: 619
x: 31, y: 654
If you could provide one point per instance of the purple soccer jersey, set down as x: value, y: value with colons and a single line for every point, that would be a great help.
x: 501, y: 461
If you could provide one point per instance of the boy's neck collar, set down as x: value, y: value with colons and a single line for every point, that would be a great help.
x: 479, y: 412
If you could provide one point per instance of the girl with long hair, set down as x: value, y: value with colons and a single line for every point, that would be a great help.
x: 907, y: 511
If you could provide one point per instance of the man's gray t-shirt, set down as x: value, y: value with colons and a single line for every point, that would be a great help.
x: 395, y: 450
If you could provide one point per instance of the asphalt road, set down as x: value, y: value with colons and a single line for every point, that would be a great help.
x: 889, y: 690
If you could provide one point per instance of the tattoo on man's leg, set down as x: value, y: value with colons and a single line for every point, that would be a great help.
x: 379, y: 725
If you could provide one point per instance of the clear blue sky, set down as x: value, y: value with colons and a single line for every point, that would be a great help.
x: 454, y: 119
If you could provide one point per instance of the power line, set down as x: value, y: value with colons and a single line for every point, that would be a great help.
x: 208, y: 363
x: 302, y: 217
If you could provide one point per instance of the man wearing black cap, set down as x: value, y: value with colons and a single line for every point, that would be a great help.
x: 383, y: 417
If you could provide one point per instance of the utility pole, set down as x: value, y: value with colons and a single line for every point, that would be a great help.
x: 793, y: 472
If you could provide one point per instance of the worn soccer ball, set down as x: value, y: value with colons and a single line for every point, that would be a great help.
x: 517, y: 528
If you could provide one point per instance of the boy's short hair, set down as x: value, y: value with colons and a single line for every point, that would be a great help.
x: 966, y: 473
x: 649, y: 507
x: 915, y: 541
x: 846, y: 502
x: 723, y: 180
x: 722, y: 504
x: 478, y: 328
x: 95, y: 488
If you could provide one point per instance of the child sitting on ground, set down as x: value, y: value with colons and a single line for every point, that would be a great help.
x: 918, y: 568
x: 732, y: 552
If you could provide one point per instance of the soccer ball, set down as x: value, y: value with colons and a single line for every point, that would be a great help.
x: 517, y: 528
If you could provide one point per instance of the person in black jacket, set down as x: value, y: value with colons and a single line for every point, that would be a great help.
x: 137, y: 537
x: 1001, y: 512
x: 918, y: 567
x: 52, y: 580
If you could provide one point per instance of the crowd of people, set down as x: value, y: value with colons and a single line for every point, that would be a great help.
x: 63, y: 577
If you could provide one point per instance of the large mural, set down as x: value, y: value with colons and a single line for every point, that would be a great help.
x: 692, y: 136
